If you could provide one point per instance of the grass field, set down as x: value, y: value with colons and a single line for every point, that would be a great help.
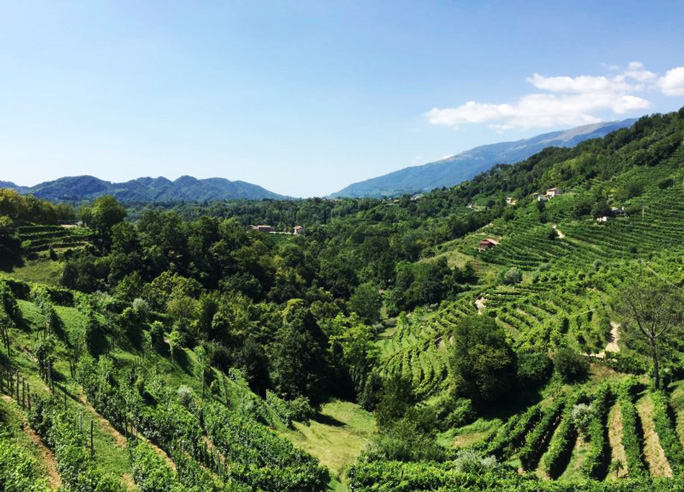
x: 336, y: 437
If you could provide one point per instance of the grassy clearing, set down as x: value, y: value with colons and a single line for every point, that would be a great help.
x: 42, y: 270
x: 470, y: 434
x: 336, y: 437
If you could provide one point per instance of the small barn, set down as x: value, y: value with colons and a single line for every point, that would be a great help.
x: 551, y: 192
x: 298, y: 230
x: 262, y: 228
x: 488, y: 244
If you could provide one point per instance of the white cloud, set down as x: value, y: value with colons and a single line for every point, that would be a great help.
x: 672, y: 83
x: 566, y: 101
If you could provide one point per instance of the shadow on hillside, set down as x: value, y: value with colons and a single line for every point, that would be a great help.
x: 181, y: 358
x: 523, y: 401
x: 8, y: 261
x: 328, y: 420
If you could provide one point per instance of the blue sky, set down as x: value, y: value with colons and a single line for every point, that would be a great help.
x: 306, y: 97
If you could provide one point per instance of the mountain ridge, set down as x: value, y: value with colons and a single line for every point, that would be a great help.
x: 145, y: 189
x: 455, y: 169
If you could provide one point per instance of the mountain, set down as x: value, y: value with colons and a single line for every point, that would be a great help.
x: 455, y: 169
x: 145, y: 190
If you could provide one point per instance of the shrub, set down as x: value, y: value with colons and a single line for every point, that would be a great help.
x: 570, y: 365
x: 582, y: 416
x: 534, y: 369
x: 513, y: 276
x: 185, y: 395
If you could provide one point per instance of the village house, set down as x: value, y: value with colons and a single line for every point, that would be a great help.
x: 298, y: 230
x: 488, y: 243
x: 551, y: 192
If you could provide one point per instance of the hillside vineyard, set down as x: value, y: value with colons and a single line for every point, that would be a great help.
x: 521, y: 331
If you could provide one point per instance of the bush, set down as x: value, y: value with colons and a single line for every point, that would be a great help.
x: 185, y: 395
x: 513, y: 276
x: 534, y: 369
x: 570, y: 366
x: 467, y: 461
x: 582, y: 416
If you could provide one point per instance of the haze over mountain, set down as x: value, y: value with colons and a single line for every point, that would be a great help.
x: 145, y: 190
x: 455, y: 169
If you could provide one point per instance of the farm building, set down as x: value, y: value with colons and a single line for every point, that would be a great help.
x: 298, y: 230
x: 551, y: 192
x: 488, y: 243
x: 262, y: 228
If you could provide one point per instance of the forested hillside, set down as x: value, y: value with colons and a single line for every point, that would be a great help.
x: 176, y: 348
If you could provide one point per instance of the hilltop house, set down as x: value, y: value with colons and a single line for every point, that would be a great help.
x: 488, y: 243
x: 551, y: 192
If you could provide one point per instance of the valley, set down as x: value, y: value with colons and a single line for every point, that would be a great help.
x: 384, y: 348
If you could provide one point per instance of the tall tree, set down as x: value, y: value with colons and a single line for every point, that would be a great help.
x: 653, y: 311
x: 484, y: 363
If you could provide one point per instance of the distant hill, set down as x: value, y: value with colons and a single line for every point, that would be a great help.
x: 466, y: 165
x: 145, y: 190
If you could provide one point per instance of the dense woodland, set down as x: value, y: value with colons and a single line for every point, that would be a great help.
x: 549, y: 362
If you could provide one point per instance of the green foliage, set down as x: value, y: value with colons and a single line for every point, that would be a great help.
x: 593, y: 425
x: 396, y: 398
x: 560, y: 448
x: 482, y: 360
x: 17, y: 469
x: 570, y: 366
x: 666, y: 433
x: 366, y: 302
x: 630, y: 426
x: 537, y: 440
x: 533, y: 369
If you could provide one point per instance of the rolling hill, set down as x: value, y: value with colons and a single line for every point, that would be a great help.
x: 145, y: 190
x: 466, y: 165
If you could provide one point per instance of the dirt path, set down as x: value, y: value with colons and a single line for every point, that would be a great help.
x: 653, y: 451
x: 558, y: 231
x: 48, y: 457
x: 480, y: 303
x: 618, y: 458
x: 613, y: 344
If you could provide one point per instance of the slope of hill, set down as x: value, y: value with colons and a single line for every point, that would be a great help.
x: 461, y: 167
x: 148, y: 341
x: 145, y: 190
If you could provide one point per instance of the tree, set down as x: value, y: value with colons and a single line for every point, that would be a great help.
x: 396, y: 398
x: 484, y: 363
x: 105, y: 213
x: 366, y: 302
x: 299, y: 359
x: 653, y: 311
